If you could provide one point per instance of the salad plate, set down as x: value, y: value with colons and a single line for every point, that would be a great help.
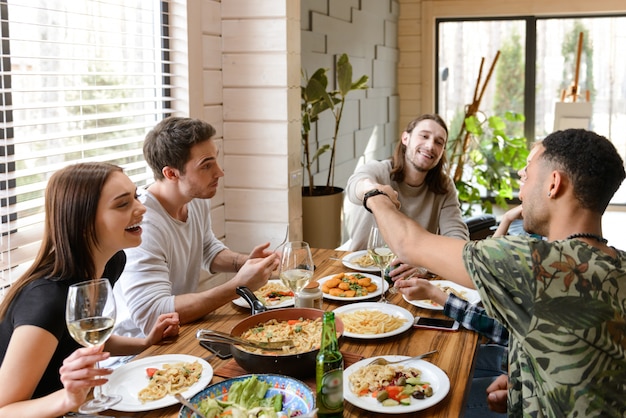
x: 432, y: 374
x: 298, y: 398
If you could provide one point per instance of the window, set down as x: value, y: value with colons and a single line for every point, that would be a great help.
x: 81, y: 81
x: 536, y: 65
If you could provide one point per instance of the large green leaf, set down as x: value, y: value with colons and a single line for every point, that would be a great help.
x: 344, y: 75
x: 574, y: 312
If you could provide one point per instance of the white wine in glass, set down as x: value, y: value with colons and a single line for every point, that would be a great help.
x: 296, y: 266
x: 382, y: 256
x: 90, y: 317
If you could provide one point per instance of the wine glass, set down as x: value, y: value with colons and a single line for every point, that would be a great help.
x: 382, y: 255
x: 296, y: 267
x: 90, y: 316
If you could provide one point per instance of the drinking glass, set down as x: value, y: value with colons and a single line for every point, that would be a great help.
x: 382, y: 255
x: 90, y: 316
x: 296, y: 267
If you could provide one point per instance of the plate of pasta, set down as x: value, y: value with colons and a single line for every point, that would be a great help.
x: 351, y: 286
x: 370, y: 320
x: 360, y: 260
x: 150, y: 383
x: 411, y: 386
x: 274, y: 294
x: 470, y: 295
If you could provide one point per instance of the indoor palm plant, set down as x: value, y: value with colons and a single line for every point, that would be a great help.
x: 322, y: 205
x: 316, y: 99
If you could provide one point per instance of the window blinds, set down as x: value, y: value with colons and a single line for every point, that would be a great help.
x: 81, y: 81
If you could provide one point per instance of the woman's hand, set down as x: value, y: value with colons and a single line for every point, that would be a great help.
x: 79, y: 375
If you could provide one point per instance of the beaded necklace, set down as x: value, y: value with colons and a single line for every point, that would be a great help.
x: 590, y: 236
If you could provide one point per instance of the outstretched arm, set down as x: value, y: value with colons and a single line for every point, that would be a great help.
x: 416, y: 246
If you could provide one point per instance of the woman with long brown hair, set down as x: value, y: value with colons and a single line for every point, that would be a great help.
x: 91, y: 215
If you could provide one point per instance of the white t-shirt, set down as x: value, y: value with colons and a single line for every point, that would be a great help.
x: 167, y: 263
x: 438, y: 213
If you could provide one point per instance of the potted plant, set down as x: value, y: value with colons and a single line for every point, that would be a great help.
x: 321, y: 217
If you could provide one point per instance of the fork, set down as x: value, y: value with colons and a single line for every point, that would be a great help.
x: 189, y: 405
x: 284, y: 239
x: 381, y: 361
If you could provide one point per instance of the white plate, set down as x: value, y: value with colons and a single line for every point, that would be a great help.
x: 375, y: 279
x: 129, y: 379
x: 284, y: 304
x: 470, y: 295
x: 430, y: 373
x: 347, y: 261
x: 387, y: 308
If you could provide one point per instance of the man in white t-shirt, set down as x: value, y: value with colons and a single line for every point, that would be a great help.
x: 417, y: 172
x: 162, y: 274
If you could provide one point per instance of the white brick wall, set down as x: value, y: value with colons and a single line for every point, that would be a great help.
x: 251, y: 57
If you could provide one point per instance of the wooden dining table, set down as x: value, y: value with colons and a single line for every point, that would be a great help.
x: 455, y: 354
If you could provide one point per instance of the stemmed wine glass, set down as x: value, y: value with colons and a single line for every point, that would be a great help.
x: 382, y: 255
x: 296, y: 267
x: 90, y: 316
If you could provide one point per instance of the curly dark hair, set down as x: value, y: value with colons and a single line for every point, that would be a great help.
x: 169, y: 142
x: 437, y: 178
x: 592, y: 163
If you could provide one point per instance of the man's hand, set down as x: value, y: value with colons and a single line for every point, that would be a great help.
x: 260, y: 251
x: 420, y: 289
x: 167, y: 326
x: 256, y: 271
x: 497, y: 394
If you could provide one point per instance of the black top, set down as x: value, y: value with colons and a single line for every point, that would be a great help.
x: 42, y: 303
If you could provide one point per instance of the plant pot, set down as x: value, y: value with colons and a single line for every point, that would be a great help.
x: 321, y: 216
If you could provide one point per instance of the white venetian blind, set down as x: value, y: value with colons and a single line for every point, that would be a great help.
x: 82, y: 80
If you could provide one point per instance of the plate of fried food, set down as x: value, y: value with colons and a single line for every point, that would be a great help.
x: 395, y: 388
x: 274, y: 294
x: 151, y: 382
x: 370, y: 320
x: 351, y: 286
x: 470, y: 295
x: 361, y: 261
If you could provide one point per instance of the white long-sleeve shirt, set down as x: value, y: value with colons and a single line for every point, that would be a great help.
x: 438, y: 213
x: 167, y: 263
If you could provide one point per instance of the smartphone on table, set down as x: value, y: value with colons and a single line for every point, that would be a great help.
x: 221, y: 349
x: 443, y: 324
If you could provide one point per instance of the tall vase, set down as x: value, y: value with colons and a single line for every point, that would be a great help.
x: 321, y: 216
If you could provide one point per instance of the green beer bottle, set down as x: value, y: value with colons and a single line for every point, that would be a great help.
x: 329, y: 372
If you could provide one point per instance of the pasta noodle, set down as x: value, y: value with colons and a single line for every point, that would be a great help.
x: 171, y: 379
x: 370, y: 322
x: 375, y: 377
x: 306, y: 334
x: 363, y: 261
x: 273, y: 293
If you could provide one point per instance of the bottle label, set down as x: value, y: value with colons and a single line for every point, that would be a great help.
x: 331, y: 394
